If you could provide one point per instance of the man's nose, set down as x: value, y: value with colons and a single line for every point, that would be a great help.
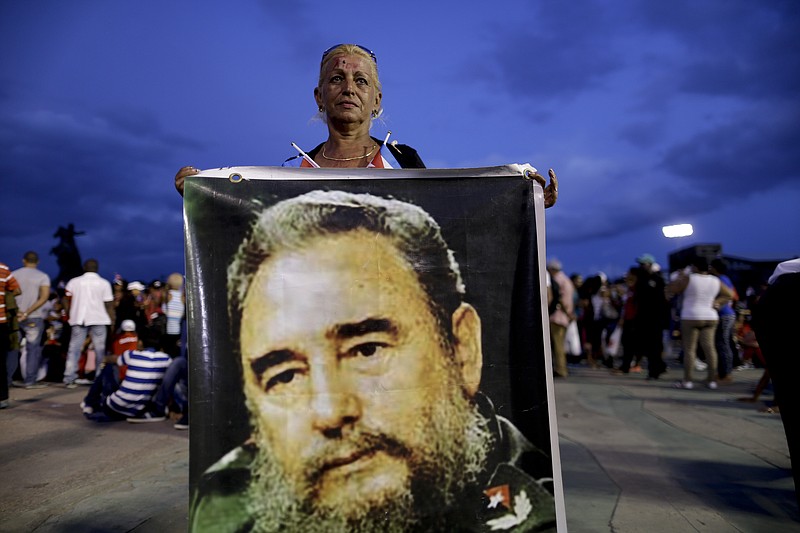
x: 334, y: 404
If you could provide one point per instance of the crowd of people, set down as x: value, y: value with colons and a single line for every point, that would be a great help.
x: 122, y: 339
x: 64, y: 333
x: 629, y: 325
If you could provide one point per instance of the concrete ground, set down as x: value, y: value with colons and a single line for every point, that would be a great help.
x: 637, y: 457
x: 62, y: 473
x: 641, y: 456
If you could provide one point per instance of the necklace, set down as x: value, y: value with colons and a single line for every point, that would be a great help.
x: 347, y: 158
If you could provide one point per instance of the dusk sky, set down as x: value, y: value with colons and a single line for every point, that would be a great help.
x: 651, y: 113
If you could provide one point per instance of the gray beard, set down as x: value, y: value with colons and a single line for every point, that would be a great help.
x: 459, y: 441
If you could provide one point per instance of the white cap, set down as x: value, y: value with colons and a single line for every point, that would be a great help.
x: 128, y: 325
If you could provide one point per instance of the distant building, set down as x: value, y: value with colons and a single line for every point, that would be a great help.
x: 744, y: 273
x: 684, y: 257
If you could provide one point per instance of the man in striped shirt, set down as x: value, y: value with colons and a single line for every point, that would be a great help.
x: 109, y: 400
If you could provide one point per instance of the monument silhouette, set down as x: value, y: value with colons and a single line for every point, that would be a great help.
x: 67, y: 255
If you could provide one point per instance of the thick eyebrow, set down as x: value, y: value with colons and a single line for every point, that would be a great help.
x: 365, y: 327
x: 341, y: 331
x: 270, y: 359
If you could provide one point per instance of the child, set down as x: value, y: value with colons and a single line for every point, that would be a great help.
x: 126, y: 340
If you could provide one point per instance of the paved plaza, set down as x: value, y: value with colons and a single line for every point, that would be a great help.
x: 637, y: 457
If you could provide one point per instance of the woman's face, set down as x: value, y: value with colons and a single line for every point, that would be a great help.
x: 348, y: 92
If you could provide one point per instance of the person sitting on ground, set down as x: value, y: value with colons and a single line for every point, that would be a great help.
x: 173, y: 388
x: 127, y: 339
x: 109, y: 400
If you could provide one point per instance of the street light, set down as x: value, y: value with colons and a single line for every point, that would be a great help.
x: 677, y: 230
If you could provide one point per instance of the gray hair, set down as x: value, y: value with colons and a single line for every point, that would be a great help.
x: 291, y: 224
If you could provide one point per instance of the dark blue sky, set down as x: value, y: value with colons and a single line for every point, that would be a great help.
x: 652, y: 113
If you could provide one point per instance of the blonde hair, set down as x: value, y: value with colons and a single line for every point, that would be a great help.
x: 353, y: 50
x: 175, y: 281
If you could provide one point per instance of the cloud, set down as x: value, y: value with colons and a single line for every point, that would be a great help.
x: 84, y: 147
x: 680, y: 107
x: 94, y: 170
x: 550, y: 50
x: 756, y: 151
x: 557, y: 51
x: 733, y: 48
x: 645, y: 133
x: 753, y: 153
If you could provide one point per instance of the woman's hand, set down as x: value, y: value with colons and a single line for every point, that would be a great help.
x: 181, y: 176
x: 550, y: 191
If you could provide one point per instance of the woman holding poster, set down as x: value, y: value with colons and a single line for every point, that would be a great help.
x: 350, y: 387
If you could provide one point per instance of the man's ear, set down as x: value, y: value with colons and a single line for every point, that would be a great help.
x: 468, y: 353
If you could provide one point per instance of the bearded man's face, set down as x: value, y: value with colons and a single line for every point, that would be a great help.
x: 361, y: 409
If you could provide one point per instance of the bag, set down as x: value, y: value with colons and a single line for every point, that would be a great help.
x: 572, y: 340
x: 612, y: 346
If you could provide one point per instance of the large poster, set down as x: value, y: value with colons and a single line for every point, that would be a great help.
x: 369, y: 351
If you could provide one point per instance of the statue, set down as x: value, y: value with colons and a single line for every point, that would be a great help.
x: 67, y: 255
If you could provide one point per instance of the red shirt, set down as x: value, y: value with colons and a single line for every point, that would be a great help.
x: 7, y: 283
x: 128, y: 340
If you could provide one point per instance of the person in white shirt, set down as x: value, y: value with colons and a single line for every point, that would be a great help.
x: 89, y: 304
x: 703, y: 294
